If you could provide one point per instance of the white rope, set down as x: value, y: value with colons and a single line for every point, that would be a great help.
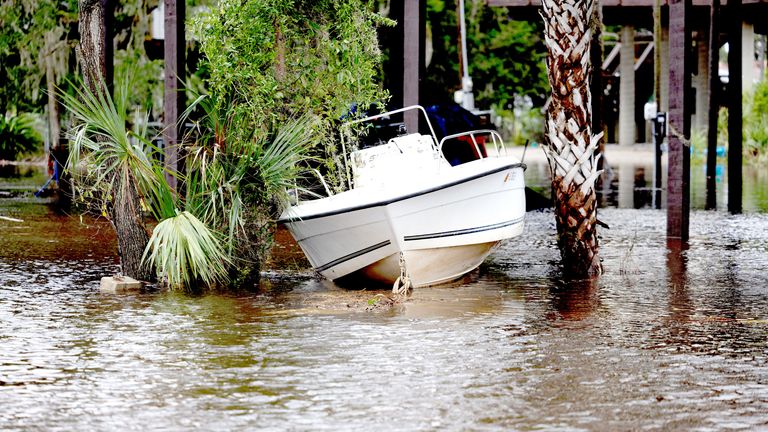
x: 403, y: 282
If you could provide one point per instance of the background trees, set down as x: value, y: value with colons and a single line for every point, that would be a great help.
x: 506, y: 56
x: 506, y: 62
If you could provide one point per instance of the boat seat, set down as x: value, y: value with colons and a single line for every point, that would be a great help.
x: 394, y: 160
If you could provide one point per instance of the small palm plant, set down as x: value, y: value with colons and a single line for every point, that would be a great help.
x: 18, y: 136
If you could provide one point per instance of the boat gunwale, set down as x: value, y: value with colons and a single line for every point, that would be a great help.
x: 402, y: 197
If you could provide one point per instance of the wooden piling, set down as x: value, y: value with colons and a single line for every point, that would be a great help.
x: 679, y: 163
x: 173, y: 100
x: 734, y: 106
x: 404, y: 69
x: 414, y: 12
x: 713, y: 103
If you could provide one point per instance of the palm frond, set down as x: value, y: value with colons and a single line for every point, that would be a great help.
x: 184, y: 250
x: 280, y: 163
x: 103, y: 143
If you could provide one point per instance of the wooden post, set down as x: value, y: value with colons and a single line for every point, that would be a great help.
x: 657, y: 137
x: 734, y: 106
x: 413, y: 58
x: 713, y: 103
x: 173, y: 101
x: 405, y: 66
x: 679, y: 165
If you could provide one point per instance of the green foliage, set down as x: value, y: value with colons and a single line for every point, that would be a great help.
x: 185, y: 251
x: 280, y: 76
x: 104, y: 153
x: 506, y: 57
x: 236, y: 185
x: 756, y: 121
x: 18, y: 136
x: 34, y: 35
x: 146, y: 79
x: 40, y: 35
x: 206, y: 236
x: 274, y: 60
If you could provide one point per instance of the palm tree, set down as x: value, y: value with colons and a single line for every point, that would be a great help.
x: 113, y: 167
x: 570, y: 145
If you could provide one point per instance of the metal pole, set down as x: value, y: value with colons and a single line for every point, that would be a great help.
x: 468, y: 99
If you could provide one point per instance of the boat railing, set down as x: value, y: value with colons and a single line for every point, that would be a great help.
x: 496, y: 141
x: 376, y: 117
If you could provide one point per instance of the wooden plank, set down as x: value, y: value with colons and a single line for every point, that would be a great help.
x: 679, y: 162
x: 173, y: 99
x: 734, y: 107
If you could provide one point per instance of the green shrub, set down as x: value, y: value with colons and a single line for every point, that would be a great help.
x: 18, y: 136
x: 756, y: 120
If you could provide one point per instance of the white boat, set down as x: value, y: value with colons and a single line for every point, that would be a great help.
x: 407, y: 200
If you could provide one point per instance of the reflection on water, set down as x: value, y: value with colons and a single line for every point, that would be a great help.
x: 670, y: 339
x: 630, y: 185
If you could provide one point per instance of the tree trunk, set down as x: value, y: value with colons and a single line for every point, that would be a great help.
x: 93, y: 47
x: 132, y: 234
x: 570, y: 146
x: 125, y: 212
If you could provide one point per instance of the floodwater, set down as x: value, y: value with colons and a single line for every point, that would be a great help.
x: 667, y: 339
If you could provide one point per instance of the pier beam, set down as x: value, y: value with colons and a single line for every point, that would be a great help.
x: 173, y: 99
x: 627, y: 124
x: 735, y: 134
x: 679, y: 164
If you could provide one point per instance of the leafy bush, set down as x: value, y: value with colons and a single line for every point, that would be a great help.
x: 756, y: 120
x: 18, y: 136
x: 271, y: 61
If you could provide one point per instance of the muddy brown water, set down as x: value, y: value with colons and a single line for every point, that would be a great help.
x: 667, y: 339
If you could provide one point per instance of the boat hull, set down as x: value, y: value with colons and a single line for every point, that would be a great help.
x: 445, y: 227
x: 427, y: 266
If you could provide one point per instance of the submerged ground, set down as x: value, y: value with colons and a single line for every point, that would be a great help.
x: 666, y: 340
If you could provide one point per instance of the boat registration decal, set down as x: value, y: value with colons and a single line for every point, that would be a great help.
x: 348, y: 257
x: 463, y: 231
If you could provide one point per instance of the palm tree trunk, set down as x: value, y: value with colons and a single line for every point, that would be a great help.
x: 125, y: 212
x: 570, y: 146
